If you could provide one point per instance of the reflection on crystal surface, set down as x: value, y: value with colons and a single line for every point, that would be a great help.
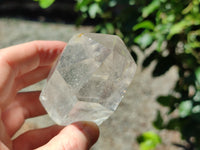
x: 90, y: 79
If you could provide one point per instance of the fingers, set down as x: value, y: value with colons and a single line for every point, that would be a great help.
x: 16, y: 61
x: 35, y: 138
x: 3, y: 146
x: 77, y: 136
x: 7, y: 80
x: 4, y: 137
x: 27, y: 57
x: 25, y: 80
x: 32, y: 77
x: 25, y: 106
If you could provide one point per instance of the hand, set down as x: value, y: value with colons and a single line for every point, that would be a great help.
x: 21, y: 66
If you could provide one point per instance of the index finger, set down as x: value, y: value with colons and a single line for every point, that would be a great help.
x: 26, y: 57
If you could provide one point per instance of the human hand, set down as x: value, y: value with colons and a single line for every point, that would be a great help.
x: 21, y: 66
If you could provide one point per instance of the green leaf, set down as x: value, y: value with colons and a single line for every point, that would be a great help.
x: 145, y: 25
x: 147, y: 145
x: 82, y: 5
x: 84, y: 8
x: 185, y: 108
x: 149, y: 140
x: 112, y: 3
x: 196, y: 109
x: 188, y: 21
x: 197, y: 97
x: 159, y: 44
x: 188, y: 8
x: 93, y: 10
x: 197, y: 74
x: 131, y: 2
x: 144, y: 39
x: 110, y: 28
x: 177, y: 28
x: 146, y: 11
x: 45, y: 3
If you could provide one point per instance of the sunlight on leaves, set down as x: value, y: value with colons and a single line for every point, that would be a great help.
x: 150, y: 8
x: 149, y: 140
x: 144, y: 25
x: 94, y: 9
x: 185, y: 108
x: 45, y: 3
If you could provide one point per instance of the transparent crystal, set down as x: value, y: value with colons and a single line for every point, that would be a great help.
x: 89, y: 79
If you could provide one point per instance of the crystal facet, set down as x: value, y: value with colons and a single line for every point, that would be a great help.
x: 89, y: 79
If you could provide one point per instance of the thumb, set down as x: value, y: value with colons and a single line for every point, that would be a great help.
x: 77, y: 136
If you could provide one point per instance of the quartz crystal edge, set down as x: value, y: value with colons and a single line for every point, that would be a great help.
x: 90, y: 38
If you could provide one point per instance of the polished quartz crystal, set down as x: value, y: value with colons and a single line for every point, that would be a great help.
x: 89, y: 79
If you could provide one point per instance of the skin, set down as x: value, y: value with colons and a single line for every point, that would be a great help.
x: 23, y: 65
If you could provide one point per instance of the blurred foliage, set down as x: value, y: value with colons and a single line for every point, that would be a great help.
x: 148, y: 140
x: 45, y: 3
x: 172, y: 29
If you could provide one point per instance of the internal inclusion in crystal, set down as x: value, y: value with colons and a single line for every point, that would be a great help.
x: 89, y: 79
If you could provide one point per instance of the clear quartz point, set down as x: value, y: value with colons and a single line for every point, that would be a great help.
x: 89, y: 79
